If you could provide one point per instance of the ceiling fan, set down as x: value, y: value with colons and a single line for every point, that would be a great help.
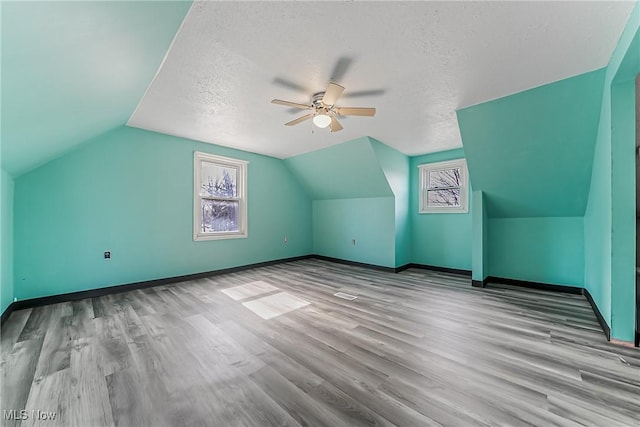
x: 325, y: 112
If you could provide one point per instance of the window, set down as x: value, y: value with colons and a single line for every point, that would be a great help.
x: 443, y: 187
x: 220, y: 199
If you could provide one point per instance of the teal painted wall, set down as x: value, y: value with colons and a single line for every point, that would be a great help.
x: 480, y: 230
x: 531, y: 152
x: 546, y: 250
x: 486, y: 238
x: 370, y: 221
x: 395, y: 166
x: 77, y: 69
x: 443, y: 240
x: 597, y: 217
x: 360, y: 191
x: 623, y: 261
x: 343, y: 171
x: 6, y: 236
x: 131, y: 192
x: 609, y: 222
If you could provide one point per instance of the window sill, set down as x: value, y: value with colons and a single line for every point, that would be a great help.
x: 445, y: 211
x: 219, y: 236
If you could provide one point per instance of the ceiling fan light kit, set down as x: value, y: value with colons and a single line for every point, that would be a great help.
x: 325, y: 111
x: 321, y: 120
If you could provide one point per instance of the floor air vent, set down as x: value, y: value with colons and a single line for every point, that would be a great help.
x: 345, y: 296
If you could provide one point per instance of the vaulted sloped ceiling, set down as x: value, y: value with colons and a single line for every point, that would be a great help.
x: 532, y: 152
x: 74, y: 70
x: 417, y: 62
x: 343, y: 171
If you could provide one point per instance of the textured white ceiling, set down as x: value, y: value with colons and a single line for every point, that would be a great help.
x: 421, y: 60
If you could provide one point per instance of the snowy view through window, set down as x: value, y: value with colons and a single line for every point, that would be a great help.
x: 219, y: 194
x: 444, y: 187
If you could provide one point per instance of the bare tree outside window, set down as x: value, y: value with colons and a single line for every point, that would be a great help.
x: 221, y: 211
x: 443, y: 187
x: 219, y: 214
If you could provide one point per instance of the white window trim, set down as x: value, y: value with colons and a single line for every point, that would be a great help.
x: 424, y: 170
x: 241, y: 186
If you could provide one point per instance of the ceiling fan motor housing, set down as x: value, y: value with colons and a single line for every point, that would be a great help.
x: 316, y: 100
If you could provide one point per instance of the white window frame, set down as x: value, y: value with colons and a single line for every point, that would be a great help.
x: 241, y: 188
x: 424, y: 170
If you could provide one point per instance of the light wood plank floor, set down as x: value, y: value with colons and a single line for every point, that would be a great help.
x: 417, y: 348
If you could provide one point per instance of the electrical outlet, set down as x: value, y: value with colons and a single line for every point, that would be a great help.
x: 107, y: 254
x: 353, y: 242
x: 15, y: 299
x: 286, y: 239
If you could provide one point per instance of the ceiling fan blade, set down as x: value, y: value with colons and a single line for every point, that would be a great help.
x: 341, y: 67
x: 363, y: 93
x: 290, y: 85
x: 300, y: 119
x: 332, y: 93
x: 292, y: 104
x: 355, y: 111
x: 335, y: 125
